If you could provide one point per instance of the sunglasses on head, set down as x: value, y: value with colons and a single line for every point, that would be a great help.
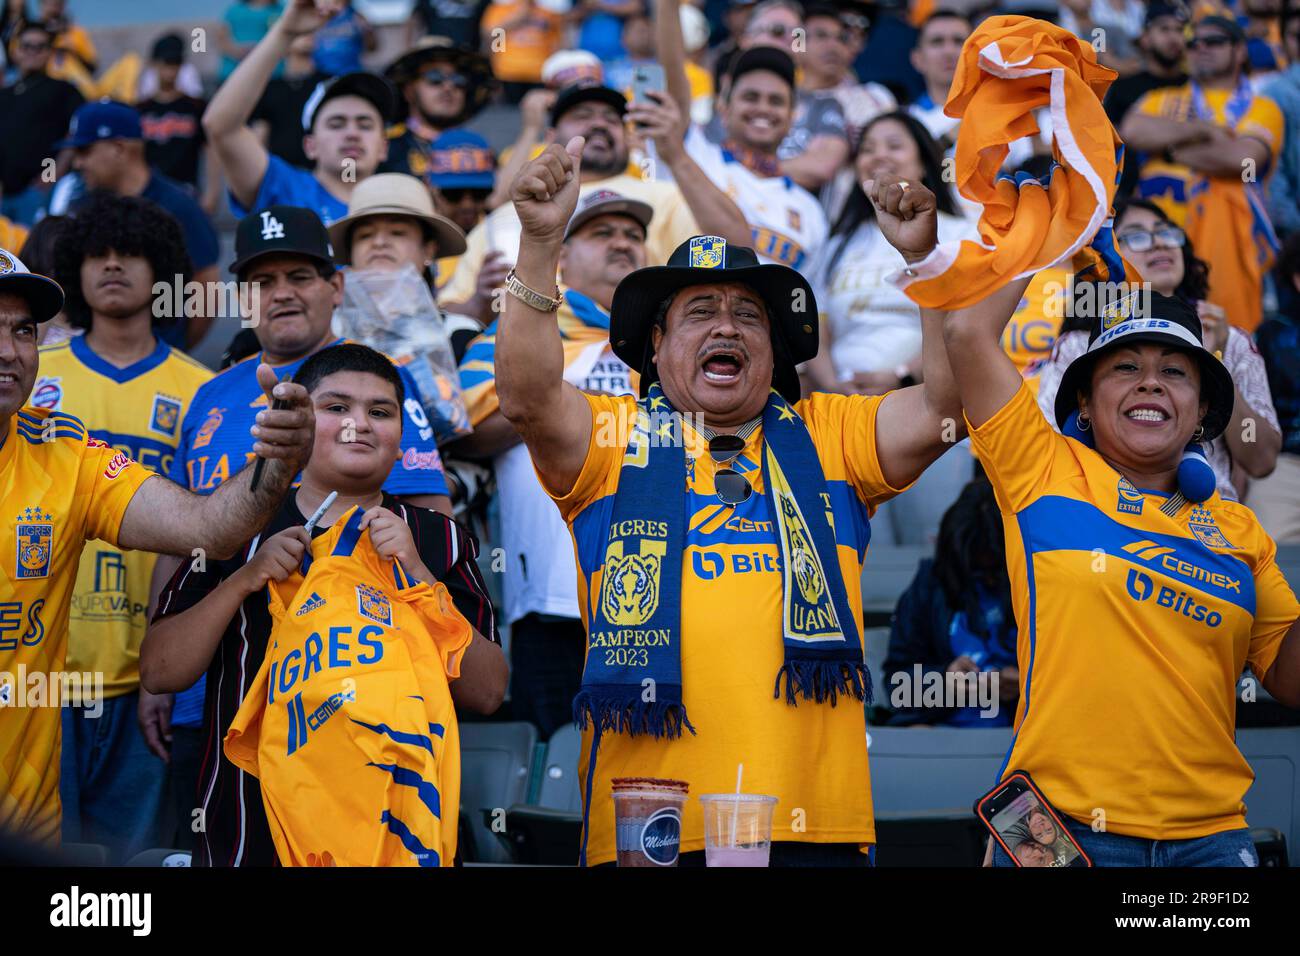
x: 731, y: 487
x: 1166, y: 237
x: 1211, y: 42
x: 435, y: 77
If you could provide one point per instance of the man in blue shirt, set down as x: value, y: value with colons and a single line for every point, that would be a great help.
x: 285, y: 267
x: 109, y: 154
x: 343, y: 129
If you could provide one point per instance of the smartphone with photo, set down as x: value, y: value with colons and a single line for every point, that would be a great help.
x: 1025, y: 824
x: 647, y: 78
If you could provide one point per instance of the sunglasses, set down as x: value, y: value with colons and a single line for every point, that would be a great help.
x: 456, y: 196
x: 774, y: 30
x: 436, y: 77
x: 731, y: 487
x: 1210, y: 42
x: 1168, y: 237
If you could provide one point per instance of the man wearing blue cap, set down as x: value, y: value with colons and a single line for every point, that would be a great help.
x: 463, y: 172
x: 343, y: 129
x: 109, y: 153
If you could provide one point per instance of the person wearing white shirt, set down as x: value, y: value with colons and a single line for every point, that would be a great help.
x: 787, y: 224
x: 870, y: 330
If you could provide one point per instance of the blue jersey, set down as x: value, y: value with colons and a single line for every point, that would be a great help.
x: 286, y: 185
x: 215, y: 441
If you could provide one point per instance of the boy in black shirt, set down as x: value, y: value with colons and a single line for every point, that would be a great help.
x: 215, y: 618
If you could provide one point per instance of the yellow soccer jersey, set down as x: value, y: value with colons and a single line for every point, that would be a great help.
x: 138, y: 410
x: 1037, y: 320
x: 349, y: 724
x: 812, y: 757
x: 1133, y: 629
x: 1166, y: 183
x: 59, y: 487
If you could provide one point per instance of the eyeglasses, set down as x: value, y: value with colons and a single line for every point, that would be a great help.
x: 435, y: 77
x: 1167, y: 237
x: 1211, y: 42
x: 731, y: 487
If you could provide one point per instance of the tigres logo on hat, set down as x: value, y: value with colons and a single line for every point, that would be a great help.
x: 707, y: 252
x: 7, y: 263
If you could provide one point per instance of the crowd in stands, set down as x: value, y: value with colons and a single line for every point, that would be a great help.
x: 344, y: 176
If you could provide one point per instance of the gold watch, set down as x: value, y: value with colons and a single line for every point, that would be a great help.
x: 531, y: 297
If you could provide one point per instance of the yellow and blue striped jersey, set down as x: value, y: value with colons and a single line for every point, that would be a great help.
x: 349, y: 724
x: 138, y: 410
x: 1136, y: 615
x: 731, y: 626
x: 58, y: 488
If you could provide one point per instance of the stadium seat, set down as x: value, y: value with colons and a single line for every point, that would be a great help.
x: 495, y: 761
x: 888, y: 571
x: 559, y: 787
x: 160, y: 856
x: 84, y: 854
x: 1288, y: 562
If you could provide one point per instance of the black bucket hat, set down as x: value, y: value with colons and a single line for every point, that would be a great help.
x: 471, y: 64
x: 704, y: 260
x: 1167, y: 321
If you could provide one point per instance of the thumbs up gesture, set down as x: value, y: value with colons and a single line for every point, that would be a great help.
x: 545, y: 192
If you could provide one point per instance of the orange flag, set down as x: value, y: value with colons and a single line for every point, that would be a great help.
x: 1010, y: 67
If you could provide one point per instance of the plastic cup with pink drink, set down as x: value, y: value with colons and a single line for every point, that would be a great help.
x: 737, y: 828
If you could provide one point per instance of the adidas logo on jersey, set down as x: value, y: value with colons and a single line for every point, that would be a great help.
x: 309, y: 605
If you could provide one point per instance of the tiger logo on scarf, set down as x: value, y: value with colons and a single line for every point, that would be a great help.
x: 630, y: 589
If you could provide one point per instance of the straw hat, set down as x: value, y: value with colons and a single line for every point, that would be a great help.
x: 394, y: 194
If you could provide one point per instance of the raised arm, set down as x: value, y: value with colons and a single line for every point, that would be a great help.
x: 225, y: 121
x: 917, y: 424
x: 986, y: 377
x: 550, y: 415
x: 166, y: 518
x: 672, y: 53
x: 715, y: 212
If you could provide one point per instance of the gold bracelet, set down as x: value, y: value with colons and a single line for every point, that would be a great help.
x: 531, y: 297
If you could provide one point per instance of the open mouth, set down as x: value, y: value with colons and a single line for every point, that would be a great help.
x: 8, y: 378
x: 723, y: 366
x: 1150, y: 414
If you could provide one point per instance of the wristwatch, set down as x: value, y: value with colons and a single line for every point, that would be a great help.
x: 531, y: 297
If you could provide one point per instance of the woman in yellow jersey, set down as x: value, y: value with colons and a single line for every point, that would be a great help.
x: 1163, y: 254
x: 1136, y: 608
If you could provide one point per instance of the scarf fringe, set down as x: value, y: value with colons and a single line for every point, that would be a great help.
x: 820, y: 681
x: 614, y: 713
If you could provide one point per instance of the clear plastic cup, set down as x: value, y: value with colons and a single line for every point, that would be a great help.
x: 648, y: 820
x: 737, y: 828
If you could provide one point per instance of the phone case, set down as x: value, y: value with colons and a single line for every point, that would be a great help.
x: 1047, y: 806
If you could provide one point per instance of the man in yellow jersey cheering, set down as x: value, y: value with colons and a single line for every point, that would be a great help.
x: 60, y: 487
x: 720, y: 523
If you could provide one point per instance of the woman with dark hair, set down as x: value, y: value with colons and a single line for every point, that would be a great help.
x: 1139, y: 597
x: 1163, y: 255
x: 955, y: 617
x: 870, y: 330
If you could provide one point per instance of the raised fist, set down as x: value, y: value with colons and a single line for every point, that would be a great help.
x: 545, y: 192
x: 907, y: 213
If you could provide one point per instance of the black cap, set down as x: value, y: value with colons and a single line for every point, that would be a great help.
x: 373, y: 89
x: 169, y: 49
x: 764, y: 58
x: 571, y: 96
x: 1163, y: 8
x: 704, y: 260
x: 290, y: 230
x: 1149, y: 316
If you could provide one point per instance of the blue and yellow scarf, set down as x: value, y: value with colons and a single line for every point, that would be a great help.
x: 637, y: 607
